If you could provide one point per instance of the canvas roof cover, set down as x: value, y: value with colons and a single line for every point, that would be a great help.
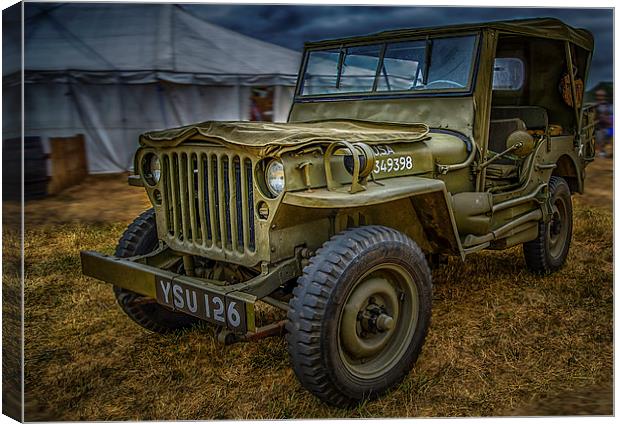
x: 541, y: 27
x: 262, y: 135
x: 143, y: 43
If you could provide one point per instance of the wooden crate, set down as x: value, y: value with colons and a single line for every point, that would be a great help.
x: 68, y: 162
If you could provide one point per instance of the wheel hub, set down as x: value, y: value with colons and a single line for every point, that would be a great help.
x: 556, y: 222
x: 378, y: 320
x: 369, y: 317
x: 385, y: 322
x: 557, y: 229
x: 375, y: 319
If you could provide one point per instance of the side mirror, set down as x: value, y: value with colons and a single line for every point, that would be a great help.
x: 522, y: 138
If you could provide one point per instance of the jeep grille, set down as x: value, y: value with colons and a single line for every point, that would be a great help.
x: 208, y: 202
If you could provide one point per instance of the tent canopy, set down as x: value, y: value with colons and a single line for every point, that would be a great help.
x: 142, y: 43
x: 113, y: 71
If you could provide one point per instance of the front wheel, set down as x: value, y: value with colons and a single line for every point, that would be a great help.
x: 359, y: 315
x: 138, y: 239
x: 547, y: 252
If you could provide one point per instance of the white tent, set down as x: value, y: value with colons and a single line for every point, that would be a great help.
x: 112, y: 71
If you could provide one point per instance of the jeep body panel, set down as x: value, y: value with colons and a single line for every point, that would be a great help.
x: 455, y: 113
x: 258, y: 239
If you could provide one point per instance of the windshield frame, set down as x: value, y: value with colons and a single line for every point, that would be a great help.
x: 373, y: 94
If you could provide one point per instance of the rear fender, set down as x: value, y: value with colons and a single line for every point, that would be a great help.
x: 569, y: 169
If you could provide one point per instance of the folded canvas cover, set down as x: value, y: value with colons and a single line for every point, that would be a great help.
x: 260, y: 135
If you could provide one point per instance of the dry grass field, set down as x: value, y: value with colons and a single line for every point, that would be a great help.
x: 501, y: 342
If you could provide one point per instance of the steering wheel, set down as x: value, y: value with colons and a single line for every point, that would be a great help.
x: 449, y: 82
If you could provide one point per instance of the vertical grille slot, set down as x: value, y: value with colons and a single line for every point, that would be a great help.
x: 238, y: 213
x: 220, y: 204
x: 168, y: 205
x: 192, y: 196
x: 209, y: 200
x: 184, y: 198
x: 249, y: 210
x: 176, y: 213
x: 214, y: 211
x: 225, y: 165
x: 203, y: 199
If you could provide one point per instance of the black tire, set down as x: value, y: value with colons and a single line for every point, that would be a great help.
x: 548, y: 251
x: 348, y: 263
x: 138, y: 239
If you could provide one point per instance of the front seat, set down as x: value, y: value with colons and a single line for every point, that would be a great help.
x: 505, y: 169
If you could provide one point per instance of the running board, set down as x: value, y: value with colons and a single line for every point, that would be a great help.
x: 472, y: 243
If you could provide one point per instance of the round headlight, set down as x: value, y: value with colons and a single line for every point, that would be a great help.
x: 152, y: 169
x: 274, y: 176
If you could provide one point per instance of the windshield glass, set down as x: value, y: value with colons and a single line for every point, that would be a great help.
x: 433, y: 64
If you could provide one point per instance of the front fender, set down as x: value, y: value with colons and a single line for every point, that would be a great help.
x: 429, y: 198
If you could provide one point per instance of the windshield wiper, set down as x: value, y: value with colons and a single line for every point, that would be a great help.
x: 340, y: 65
x: 427, y: 60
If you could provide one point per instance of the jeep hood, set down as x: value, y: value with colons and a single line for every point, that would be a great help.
x: 268, y: 137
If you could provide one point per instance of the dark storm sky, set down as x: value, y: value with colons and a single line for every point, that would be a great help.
x: 290, y: 26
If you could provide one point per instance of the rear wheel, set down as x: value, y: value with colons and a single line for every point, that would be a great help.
x: 359, y: 315
x: 547, y: 252
x: 138, y: 239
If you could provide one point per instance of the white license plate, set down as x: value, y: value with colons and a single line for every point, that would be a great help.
x: 204, y: 304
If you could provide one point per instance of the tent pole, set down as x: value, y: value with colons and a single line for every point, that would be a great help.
x: 239, y: 101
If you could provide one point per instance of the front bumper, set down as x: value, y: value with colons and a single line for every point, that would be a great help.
x: 137, y: 275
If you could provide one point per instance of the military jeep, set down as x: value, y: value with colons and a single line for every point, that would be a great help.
x: 401, y: 148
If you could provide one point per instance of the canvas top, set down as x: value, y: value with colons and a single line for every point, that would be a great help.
x: 540, y: 27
